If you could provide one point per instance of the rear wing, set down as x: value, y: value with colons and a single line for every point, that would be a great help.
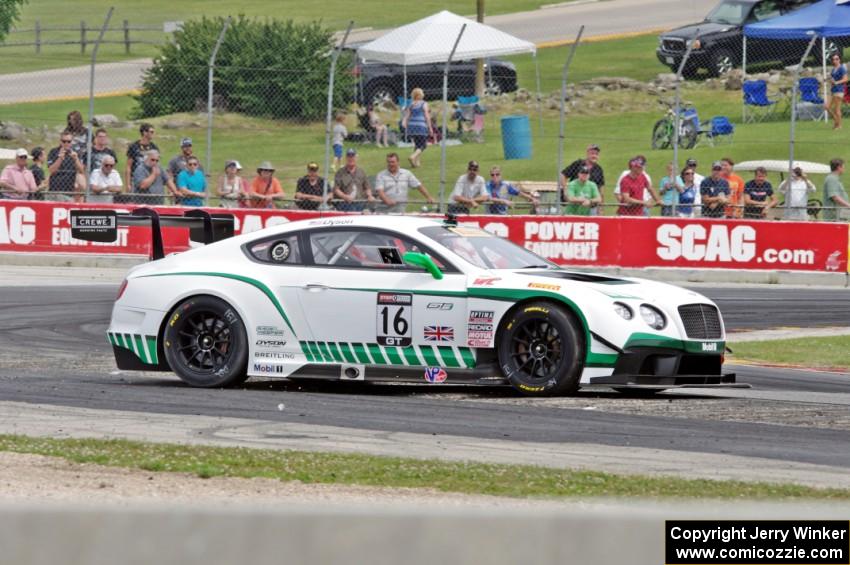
x: 102, y: 225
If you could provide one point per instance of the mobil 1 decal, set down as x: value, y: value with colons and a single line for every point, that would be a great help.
x: 395, y: 319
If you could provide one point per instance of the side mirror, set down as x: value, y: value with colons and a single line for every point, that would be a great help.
x: 424, y: 262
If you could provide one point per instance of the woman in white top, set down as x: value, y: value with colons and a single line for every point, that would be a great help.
x: 796, y: 191
x: 231, y: 186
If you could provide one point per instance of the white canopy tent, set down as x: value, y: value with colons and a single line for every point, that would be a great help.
x: 442, y: 38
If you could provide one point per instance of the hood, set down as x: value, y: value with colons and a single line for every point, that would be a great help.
x: 704, y: 28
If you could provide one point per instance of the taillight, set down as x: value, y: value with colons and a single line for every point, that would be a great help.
x: 121, y: 289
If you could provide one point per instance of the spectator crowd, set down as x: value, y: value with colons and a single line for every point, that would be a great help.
x: 68, y: 173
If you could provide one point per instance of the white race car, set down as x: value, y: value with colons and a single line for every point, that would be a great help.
x: 407, y: 299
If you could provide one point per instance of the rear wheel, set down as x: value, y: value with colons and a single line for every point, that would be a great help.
x: 381, y: 94
x: 688, y: 136
x: 205, y: 343
x: 662, y: 134
x: 541, y: 350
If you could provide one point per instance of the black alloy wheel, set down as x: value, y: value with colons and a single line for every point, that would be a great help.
x: 541, y: 350
x: 205, y: 343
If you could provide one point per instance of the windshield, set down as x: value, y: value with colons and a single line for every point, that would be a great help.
x: 485, y: 250
x: 731, y: 13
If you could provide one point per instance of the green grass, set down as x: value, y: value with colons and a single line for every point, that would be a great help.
x: 350, y: 469
x: 621, y: 122
x: 814, y: 352
x: 335, y: 14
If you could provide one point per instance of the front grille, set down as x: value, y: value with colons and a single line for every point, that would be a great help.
x: 673, y: 45
x: 701, y: 321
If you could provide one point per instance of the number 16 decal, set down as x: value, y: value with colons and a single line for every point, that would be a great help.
x: 394, y: 320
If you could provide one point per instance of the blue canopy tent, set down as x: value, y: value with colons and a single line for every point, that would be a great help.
x: 825, y: 19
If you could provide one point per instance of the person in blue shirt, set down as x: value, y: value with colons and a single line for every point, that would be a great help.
x: 838, y: 78
x: 687, y: 198
x: 192, y: 184
x: 669, y: 189
x: 494, y: 189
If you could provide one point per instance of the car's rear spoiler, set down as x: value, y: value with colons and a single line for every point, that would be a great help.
x: 102, y: 225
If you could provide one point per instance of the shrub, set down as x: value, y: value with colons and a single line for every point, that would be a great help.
x: 264, y: 68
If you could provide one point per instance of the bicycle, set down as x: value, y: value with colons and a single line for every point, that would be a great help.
x: 663, y: 131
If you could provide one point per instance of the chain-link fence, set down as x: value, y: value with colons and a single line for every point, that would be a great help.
x: 268, y: 143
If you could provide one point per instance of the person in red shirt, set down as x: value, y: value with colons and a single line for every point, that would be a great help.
x: 735, y: 207
x: 635, y: 191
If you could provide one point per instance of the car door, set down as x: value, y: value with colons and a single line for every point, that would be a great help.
x: 364, y: 305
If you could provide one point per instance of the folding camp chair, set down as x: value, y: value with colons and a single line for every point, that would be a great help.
x: 810, y: 104
x: 717, y: 130
x: 758, y: 107
x: 470, y: 118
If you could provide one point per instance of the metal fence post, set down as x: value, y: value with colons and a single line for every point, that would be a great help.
x: 91, y: 98
x: 794, y: 106
x: 82, y: 37
x: 126, y: 37
x: 563, y: 111
x: 210, y: 71
x: 445, y: 117
x: 677, y: 118
x: 329, y: 114
x: 38, y: 36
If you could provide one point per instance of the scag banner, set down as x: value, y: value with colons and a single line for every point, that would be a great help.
x: 567, y: 240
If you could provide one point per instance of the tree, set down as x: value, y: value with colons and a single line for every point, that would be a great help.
x: 10, y: 13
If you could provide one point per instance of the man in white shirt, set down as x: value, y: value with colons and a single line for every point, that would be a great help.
x: 470, y: 191
x: 392, y: 186
x: 105, y: 182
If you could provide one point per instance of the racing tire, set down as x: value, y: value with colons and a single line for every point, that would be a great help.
x: 205, y: 343
x: 541, y: 350
x: 661, y: 138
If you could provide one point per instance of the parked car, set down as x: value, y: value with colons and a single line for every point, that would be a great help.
x: 719, y: 47
x: 381, y: 82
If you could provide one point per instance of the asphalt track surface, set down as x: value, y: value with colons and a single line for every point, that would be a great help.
x: 71, y: 366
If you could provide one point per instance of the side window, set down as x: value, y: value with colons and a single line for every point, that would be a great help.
x: 360, y: 249
x: 282, y: 250
x: 765, y: 10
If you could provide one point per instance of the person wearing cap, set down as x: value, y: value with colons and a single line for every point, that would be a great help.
x: 105, y: 182
x: 310, y: 189
x: 670, y: 188
x: 499, y: 205
x: 597, y: 175
x: 758, y: 196
x: 634, y: 190
x: 180, y: 161
x: 582, y: 194
x: 835, y: 200
x: 796, y: 190
x: 656, y: 198
x: 137, y: 150
x: 192, y: 183
x: 232, y: 188
x: 16, y: 180
x: 393, y: 184
x: 264, y: 189
x: 469, y: 192
x: 351, y: 186
x: 714, y: 192
x: 735, y: 208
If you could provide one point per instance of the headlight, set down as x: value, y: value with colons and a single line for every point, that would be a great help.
x: 624, y: 311
x: 653, y: 317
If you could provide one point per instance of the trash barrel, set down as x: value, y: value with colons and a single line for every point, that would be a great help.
x: 516, y: 137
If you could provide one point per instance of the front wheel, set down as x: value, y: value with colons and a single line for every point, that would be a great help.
x: 662, y: 134
x: 541, y: 350
x: 722, y: 62
x: 205, y: 343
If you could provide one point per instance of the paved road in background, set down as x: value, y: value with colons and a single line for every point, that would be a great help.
x: 600, y: 18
